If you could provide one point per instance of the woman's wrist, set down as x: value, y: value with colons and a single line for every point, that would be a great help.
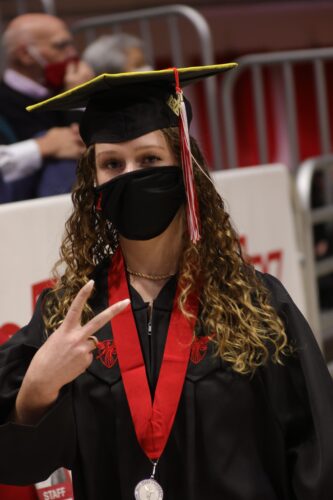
x: 32, y: 401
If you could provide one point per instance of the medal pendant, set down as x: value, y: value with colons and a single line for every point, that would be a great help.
x: 148, y: 489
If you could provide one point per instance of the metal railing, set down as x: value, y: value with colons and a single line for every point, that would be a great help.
x: 47, y: 6
x: 322, y: 214
x: 170, y: 15
x: 284, y: 62
x: 283, y: 65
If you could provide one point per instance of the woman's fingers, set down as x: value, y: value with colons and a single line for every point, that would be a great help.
x: 102, y: 318
x: 73, y: 316
x: 94, y: 342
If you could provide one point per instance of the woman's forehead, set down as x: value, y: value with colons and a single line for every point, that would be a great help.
x: 153, y: 139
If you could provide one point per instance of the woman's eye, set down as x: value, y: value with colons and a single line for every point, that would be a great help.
x: 112, y: 164
x: 151, y: 159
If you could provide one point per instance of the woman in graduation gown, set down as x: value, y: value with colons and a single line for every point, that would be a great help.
x: 209, y: 385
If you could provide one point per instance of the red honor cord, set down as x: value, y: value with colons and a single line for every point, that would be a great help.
x: 152, y: 420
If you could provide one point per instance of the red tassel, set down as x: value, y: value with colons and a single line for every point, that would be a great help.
x: 192, y: 200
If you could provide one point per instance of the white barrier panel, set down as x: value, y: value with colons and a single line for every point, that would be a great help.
x: 258, y: 199
x: 31, y: 232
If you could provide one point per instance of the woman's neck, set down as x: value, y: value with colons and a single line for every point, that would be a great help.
x: 157, y: 256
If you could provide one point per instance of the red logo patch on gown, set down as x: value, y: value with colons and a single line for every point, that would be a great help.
x: 107, y: 353
x: 199, y: 348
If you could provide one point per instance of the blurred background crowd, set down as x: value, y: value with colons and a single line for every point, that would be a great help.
x: 277, y: 107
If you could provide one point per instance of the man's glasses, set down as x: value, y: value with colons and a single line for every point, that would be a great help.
x: 63, y: 44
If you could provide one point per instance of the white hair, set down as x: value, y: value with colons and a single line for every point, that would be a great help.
x: 13, y: 37
x: 107, y: 54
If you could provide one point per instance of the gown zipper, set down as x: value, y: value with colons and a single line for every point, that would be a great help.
x: 149, y: 332
x: 150, y: 314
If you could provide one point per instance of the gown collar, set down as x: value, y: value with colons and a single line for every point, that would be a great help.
x: 163, y: 301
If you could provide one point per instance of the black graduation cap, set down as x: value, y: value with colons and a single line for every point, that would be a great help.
x: 123, y: 106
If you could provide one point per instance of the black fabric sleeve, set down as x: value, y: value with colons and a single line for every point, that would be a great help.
x: 301, y: 394
x: 30, y: 453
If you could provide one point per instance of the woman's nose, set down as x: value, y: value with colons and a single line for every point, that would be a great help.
x: 130, y: 167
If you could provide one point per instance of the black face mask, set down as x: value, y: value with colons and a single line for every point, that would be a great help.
x: 142, y: 204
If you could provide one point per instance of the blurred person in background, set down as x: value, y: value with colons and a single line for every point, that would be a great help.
x: 41, y: 151
x: 122, y: 53
x: 21, y: 163
x: 119, y: 53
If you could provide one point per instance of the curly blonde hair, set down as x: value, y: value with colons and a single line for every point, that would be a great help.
x: 235, y: 309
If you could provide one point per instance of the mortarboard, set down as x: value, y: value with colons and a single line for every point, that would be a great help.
x: 123, y: 106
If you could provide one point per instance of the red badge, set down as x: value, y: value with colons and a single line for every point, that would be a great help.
x: 58, y: 485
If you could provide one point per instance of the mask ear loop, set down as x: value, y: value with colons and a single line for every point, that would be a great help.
x: 202, y: 170
x: 35, y: 54
x: 192, y: 200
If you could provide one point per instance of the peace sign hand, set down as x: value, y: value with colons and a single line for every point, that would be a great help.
x: 65, y: 355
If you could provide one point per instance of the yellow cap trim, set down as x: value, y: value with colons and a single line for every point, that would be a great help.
x: 129, y: 75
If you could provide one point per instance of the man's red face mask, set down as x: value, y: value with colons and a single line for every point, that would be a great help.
x: 54, y: 73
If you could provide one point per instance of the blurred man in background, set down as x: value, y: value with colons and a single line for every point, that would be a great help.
x: 40, y: 60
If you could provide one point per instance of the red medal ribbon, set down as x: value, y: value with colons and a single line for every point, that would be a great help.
x: 152, y: 420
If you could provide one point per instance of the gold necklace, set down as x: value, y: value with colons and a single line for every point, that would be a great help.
x: 153, y: 277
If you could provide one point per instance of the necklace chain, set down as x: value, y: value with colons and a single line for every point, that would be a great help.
x: 153, y: 277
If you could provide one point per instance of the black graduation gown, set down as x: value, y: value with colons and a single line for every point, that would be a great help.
x: 269, y: 437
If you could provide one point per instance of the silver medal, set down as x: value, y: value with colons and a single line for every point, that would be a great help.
x: 148, y: 489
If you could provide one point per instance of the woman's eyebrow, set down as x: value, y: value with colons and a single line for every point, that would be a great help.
x: 150, y: 146
x: 106, y: 153
x: 101, y: 154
